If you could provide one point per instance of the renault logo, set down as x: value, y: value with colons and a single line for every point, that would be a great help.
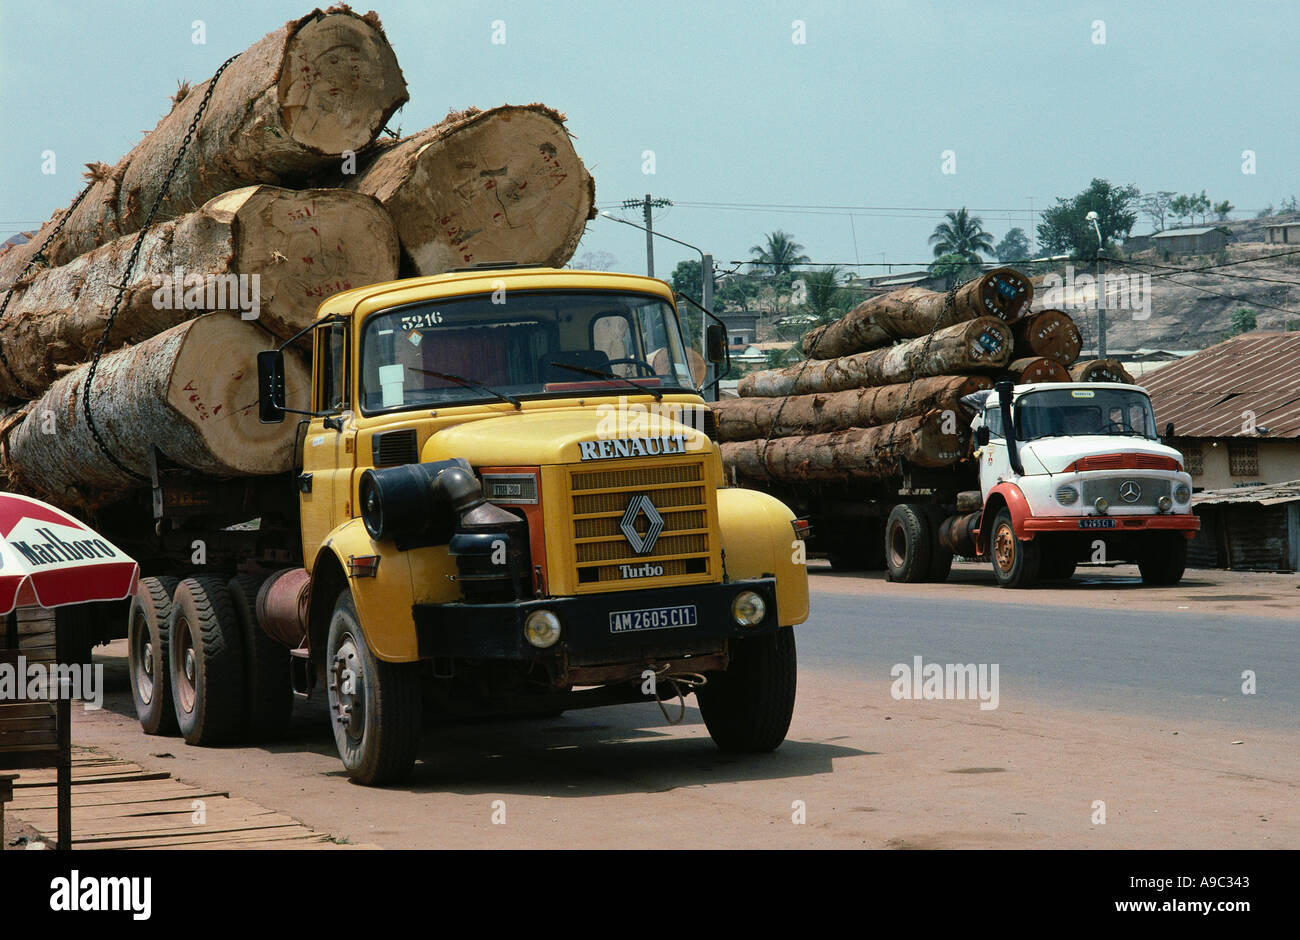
x: 1130, y: 492
x: 641, y: 505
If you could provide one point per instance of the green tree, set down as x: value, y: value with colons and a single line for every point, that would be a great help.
x: 1243, y: 321
x: 1221, y: 210
x: 778, y: 254
x: 1065, y: 227
x: 953, y: 269
x: 1155, y: 206
x: 961, y: 234
x: 1013, y: 247
x: 824, y: 298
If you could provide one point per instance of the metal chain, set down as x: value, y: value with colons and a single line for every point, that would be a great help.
x: 130, y: 266
x: 32, y: 262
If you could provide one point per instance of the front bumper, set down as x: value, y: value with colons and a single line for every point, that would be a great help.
x: 1187, y: 523
x: 496, y: 631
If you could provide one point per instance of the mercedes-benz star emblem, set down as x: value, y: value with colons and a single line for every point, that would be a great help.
x: 1130, y: 492
x: 641, y: 544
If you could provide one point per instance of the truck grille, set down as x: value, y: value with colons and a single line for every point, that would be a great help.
x: 666, y: 505
x: 1152, y: 489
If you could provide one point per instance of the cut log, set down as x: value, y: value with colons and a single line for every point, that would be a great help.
x: 1025, y: 371
x: 914, y: 311
x: 260, y: 253
x: 743, y: 419
x: 484, y: 186
x: 981, y: 345
x: 1100, y: 370
x: 191, y: 391
x: 1051, y: 334
x: 927, y: 441
x: 291, y: 105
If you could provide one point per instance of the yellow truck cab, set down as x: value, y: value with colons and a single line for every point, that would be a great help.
x: 511, y: 502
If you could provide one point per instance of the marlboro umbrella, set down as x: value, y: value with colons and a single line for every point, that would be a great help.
x: 48, y: 558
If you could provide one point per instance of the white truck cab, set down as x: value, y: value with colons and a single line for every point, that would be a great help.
x: 1075, y: 471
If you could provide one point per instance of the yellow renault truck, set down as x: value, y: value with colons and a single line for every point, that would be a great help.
x: 511, y: 502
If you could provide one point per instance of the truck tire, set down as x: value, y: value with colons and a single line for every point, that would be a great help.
x: 908, y: 543
x: 1053, y: 565
x: 375, y: 707
x: 268, y: 694
x: 1016, y: 563
x: 940, y: 557
x: 1165, y: 561
x: 747, y: 709
x: 206, y: 653
x: 147, y: 664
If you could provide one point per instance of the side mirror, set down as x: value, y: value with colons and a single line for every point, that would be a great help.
x: 982, y: 435
x: 1169, y: 431
x: 716, y: 343
x: 270, y: 386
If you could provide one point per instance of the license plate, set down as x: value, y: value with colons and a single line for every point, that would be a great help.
x: 652, y: 618
x: 1096, y: 523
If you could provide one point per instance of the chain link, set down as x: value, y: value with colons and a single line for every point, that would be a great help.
x: 130, y: 266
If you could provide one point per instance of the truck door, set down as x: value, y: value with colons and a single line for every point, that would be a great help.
x: 994, y: 465
x: 328, y: 453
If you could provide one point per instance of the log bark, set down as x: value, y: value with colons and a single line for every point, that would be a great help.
x: 981, y: 345
x: 300, y: 246
x: 291, y: 105
x: 914, y: 311
x: 1025, y: 371
x: 1050, y: 334
x: 191, y: 391
x: 1100, y: 370
x: 484, y: 186
x: 855, y: 453
x: 743, y: 419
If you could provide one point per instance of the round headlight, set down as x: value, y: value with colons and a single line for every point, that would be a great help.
x: 542, y: 629
x: 748, y: 608
x: 1102, y: 504
x: 1165, y: 503
x: 1067, y: 495
x: 1182, y: 492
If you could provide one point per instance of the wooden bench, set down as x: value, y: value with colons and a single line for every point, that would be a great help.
x: 35, y: 732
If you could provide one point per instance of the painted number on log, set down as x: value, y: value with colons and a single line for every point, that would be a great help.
x: 200, y: 408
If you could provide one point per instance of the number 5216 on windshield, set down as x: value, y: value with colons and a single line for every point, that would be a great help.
x: 417, y: 320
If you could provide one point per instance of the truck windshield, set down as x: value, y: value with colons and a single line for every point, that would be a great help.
x: 520, y: 344
x: 1070, y: 412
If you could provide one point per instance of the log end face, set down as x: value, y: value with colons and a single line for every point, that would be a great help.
x: 1005, y: 293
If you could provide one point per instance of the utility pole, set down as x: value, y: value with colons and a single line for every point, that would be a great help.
x: 646, y: 204
x: 1101, y: 290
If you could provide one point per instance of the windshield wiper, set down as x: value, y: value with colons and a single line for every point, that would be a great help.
x: 471, y: 383
x: 600, y: 374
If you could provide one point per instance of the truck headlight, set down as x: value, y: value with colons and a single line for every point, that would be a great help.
x: 542, y: 629
x: 1182, y: 492
x: 1067, y: 495
x: 1164, y: 504
x: 748, y: 608
x: 1101, y: 505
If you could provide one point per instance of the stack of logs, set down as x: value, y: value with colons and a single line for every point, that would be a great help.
x: 886, y: 380
x: 286, y: 179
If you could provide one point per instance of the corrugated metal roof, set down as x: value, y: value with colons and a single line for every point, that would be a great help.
x: 1283, y: 225
x: 1270, y: 494
x: 1187, y: 231
x: 1207, y: 394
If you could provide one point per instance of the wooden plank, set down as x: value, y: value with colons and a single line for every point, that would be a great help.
x: 125, y: 799
x: 38, y: 723
x: 26, y: 710
x: 23, y: 740
x: 93, y: 780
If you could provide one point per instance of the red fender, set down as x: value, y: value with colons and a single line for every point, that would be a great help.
x: 1017, y: 505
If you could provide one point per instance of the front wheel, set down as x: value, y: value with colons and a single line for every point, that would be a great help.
x: 1164, y: 560
x: 374, y: 706
x: 1016, y: 563
x: 748, y: 707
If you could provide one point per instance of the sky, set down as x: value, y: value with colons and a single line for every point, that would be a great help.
x: 863, y: 122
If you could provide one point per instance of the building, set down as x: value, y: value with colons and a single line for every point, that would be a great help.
x: 1254, y: 527
x: 1192, y: 241
x: 1235, y: 410
x: 742, y: 328
x: 1283, y: 233
x: 1135, y: 243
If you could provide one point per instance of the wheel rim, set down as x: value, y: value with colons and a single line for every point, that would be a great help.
x: 347, y: 688
x: 142, y: 659
x: 897, y: 546
x: 187, y: 676
x: 1004, y: 547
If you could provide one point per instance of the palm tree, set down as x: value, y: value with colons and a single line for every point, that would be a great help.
x: 963, y: 235
x: 824, y: 296
x: 780, y: 254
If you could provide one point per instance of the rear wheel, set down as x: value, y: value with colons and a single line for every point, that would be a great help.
x: 1016, y: 563
x: 206, y: 654
x: 146, y: 640
x: 908, y: 543
x: 748, y: 707
x: 375, y: 707
x: 1165, y: 560
x: 268, y: 694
